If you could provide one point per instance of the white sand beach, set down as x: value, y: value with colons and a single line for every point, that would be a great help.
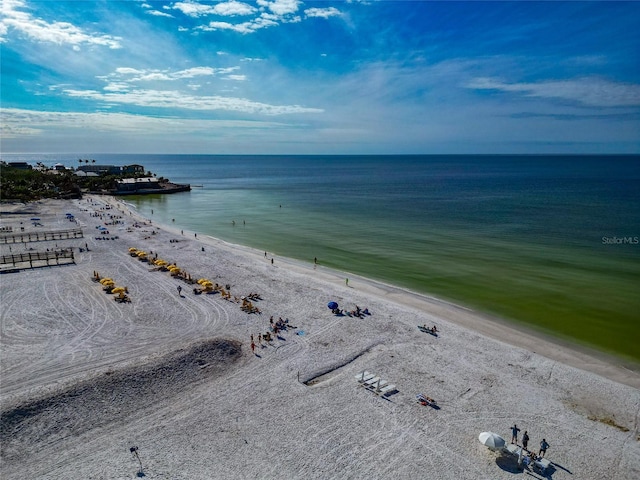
x: 85, y: 378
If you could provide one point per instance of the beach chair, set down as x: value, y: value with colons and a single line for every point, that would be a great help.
x: 368, y: 383
x: 541, y: 465
x: 376, y: 387
x: 364, y: 376
x: 386, y: 390
x: 424, y: 400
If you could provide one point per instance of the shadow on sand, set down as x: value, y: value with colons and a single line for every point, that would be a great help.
x: 509, y: 463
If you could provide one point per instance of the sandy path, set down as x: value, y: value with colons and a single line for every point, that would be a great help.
x: 97, y: 377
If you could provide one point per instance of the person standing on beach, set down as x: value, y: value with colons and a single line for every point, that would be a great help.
x: 543, y: 447
x: 179, y: 290
x: 346, y: 282
x: 253, y: 347
x: 514, y: 434
x: 525, y: 440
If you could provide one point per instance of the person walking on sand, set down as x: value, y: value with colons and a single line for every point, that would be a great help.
x: 179, y: 291
x: 514, y: 434
x: 346, y: 282
x: 543, y: 448
x: 525, y: 440
x: 253, y: 347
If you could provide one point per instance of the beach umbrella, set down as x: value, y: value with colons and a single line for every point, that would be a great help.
x: 332, y: 305
x: 491, y: 440
x: 133, y: 249
x: 118, y: 290
x: 35, y: 219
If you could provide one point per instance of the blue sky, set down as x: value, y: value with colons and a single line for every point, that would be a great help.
x: 327, y: 77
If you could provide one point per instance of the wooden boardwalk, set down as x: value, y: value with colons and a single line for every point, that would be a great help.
x: 37, y: 259
x: 24, y: 237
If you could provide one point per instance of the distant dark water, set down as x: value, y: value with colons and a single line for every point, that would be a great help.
x: 545, y: 240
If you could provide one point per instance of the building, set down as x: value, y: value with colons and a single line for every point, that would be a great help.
x: 145, y: 184
x: 20, y: 165
x: 112, y: 169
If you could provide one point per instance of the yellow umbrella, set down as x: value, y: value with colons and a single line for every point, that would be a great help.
x: 105, y: 280
x: 118, y: 290
x: 142, y: 254
x: 133, y: 249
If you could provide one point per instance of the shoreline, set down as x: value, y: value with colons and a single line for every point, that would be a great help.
x: 85, y: 378
x: 571, y: 353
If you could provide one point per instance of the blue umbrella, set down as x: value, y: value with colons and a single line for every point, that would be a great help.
x: 332, y: 305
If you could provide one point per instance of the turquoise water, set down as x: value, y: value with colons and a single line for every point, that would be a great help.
x: 527, y: 238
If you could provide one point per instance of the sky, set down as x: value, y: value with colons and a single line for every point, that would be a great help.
x: 319, y: 77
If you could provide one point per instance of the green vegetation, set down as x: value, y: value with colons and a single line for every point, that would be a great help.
x: 26, y: 185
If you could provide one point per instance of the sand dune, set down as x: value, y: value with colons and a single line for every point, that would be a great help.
x: 85, y: 378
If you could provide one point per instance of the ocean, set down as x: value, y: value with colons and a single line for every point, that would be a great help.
x: 552, y: 242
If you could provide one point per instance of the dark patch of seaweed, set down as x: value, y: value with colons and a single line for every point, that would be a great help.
x: 114, y: 396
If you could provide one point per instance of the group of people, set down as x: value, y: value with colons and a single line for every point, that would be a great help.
x: 525, y: 443
x: 359, y: 312
x: 275, y: 327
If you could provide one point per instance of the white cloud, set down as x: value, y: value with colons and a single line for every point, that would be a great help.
x: 116, y: 87
x: 29, y: 123
x: 129, y: 71
x: 59, y: 33
x: 239, y: 78
x: 178, y: 100
x: 158, y: 13
x: 592, y: 92
x: 193, y: 9
x: 126, y: 74
x: 233, y: 8
x: 270, y: 14
x: 245, y: 27
x: 280, y: 7
x: 194, y: 72
x: 322, y: 12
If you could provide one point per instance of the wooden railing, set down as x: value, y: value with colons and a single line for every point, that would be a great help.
x: 41, y: 259
x: 24, y: 237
